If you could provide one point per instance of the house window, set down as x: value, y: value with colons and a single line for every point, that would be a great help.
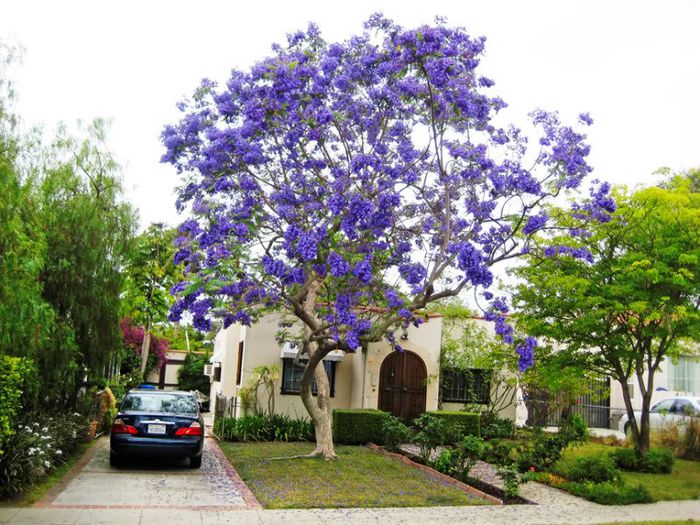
x: 292, y: 372
x: 465, y: 386
x: 684, y: 375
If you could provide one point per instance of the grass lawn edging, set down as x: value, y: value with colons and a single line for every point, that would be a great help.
x: 449, y: 479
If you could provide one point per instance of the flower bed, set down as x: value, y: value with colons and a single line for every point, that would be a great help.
x: 39, y: 444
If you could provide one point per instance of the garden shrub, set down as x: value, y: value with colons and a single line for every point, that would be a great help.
x: 546, y: 449
x: 265, y: 428
x: 14, y: 371
x: 597, y: 469
x: 499, y: 452
x: 498, y: 428
x: 358, y: 426
x: 444, y: 462
x: 466, y: 453
x: 657, y: 460
x: 40, y: 443
x: 433, y: 432
x: 511, y: 479
x: 395, y: 433
x: 463, y: 423
x: 609, y: 493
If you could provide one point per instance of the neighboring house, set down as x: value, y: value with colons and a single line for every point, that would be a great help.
x: 405, y: 384
x: 673, y: 379
x: 166, y: 377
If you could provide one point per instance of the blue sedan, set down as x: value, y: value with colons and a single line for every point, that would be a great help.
x: 153, y: 423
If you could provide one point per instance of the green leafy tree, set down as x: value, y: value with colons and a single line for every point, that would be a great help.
x: 191, y: 374
x: 149, y: 275
x: 631, y: 301
x: 88, y: 229
x: 26, y: 319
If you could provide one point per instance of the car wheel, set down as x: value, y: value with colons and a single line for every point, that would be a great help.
x: 115, y: 460
x: 195, y: 461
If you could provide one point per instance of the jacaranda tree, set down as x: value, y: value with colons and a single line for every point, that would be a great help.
x: 352, y: 184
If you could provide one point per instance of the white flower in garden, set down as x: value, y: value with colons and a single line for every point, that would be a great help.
x: 59, y: 452
x: 45, y: 429
x: 31, y: 451
x: 47, y: 464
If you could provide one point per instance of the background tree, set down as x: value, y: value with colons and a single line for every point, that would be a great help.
x: 191, y: 376
x: 150, y: 273
x: 351, y: 184
x: 88, y: 229
x: 634, y: 297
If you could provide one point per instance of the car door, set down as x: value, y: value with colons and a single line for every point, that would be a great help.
x: 659, y: 413
x: 681, y: 409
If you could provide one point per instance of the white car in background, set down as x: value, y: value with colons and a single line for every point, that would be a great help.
x: 670, y: 410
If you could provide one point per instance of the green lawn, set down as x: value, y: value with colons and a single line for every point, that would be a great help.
x: 682, y: 483
x: 361, y: 477
x: 35, y: 493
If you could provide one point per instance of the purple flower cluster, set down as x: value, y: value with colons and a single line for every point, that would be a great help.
x: 312, y: 166
x: 577, y: 253
x: 526, y: 353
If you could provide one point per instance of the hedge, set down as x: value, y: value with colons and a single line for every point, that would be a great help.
x: 358, y: 426
x: 468, y: 422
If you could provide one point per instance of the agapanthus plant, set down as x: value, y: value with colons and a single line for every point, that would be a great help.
x: 352, y: 184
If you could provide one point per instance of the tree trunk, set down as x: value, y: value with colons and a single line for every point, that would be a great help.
x: 318, y: 406
x: 642, y: 446
x: 144, y: 348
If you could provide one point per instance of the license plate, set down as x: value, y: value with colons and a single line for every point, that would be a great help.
x: 156, y: 429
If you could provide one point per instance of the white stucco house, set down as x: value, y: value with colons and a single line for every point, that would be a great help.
x: 405, y: 384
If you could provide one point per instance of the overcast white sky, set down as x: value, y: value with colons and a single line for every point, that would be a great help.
x: 634, y: 65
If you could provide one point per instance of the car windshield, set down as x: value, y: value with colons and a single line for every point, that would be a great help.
x: 161, y: 403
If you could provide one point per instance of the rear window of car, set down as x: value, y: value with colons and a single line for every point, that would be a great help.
x: 161, y: 403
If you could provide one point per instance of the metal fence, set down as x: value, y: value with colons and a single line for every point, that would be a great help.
x: 593, y: 407
x: 226, y: 407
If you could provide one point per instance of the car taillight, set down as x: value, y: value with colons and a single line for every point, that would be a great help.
x: 119, y: 427
x: 195, y: 429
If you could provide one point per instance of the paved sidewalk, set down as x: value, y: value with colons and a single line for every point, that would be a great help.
x: 511, y: 514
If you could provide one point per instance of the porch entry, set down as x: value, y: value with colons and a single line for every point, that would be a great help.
x: 402, y: 385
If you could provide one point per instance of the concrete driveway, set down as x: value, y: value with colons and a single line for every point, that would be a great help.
x: 152, y: 484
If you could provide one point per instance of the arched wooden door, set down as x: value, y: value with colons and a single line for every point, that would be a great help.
x: 402, y: 384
